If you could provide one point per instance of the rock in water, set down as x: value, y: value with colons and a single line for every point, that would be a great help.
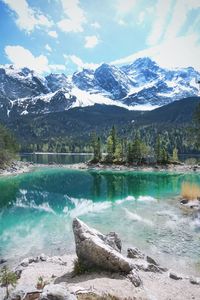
x: 56, y: 292
x: 94, y: 250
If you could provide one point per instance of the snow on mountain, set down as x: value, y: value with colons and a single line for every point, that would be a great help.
x: 142, y: 85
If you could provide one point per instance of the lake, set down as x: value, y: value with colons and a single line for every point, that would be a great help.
x: 56, y: 158
x: 37, y: 209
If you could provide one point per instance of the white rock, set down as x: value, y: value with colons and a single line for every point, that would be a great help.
x: 94, y: 251
x: 56, y: 292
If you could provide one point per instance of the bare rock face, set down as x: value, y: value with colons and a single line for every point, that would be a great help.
x: 95, y: 250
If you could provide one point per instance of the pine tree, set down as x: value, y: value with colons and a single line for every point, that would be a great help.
x: 96, y: 145
x: 111, y: 145
x: 175, y: 154
x: 99, y: 153
x: 7, y: 278
x: 118, y: 155
x: 158, y: 150
x: 114, y: 139
x: 129, y: 153
x: 110, y: 154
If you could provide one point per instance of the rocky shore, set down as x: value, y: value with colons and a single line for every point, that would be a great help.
x: 19, y: 167
x: 15, y: 168
x: 98, y: 270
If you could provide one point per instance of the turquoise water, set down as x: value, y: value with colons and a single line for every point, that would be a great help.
x: 36, y: 212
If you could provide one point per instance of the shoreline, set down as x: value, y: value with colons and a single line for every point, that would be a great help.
x: 147, y: 280
x: 20, y: 167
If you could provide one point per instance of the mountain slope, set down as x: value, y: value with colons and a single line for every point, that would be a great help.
x: 178, y: 112
x: 76, y: 125
x: 140, y: 85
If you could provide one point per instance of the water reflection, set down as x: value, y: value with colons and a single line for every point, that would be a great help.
x: 55, y: 186
x: 51, y: 158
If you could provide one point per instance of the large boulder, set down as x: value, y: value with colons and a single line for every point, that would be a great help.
x: 98, y: 251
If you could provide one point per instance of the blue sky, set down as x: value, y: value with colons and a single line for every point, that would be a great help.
x: 68, y: 35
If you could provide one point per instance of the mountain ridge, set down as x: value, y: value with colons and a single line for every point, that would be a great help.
x: 139, y: 85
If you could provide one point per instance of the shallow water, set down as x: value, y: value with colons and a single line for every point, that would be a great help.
x: 36, y: 212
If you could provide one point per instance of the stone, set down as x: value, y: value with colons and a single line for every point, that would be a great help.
x: 2, y: 261
x: 175, y: 276
x: 135, y: 253
x: 143, y: 265
x: 31, y: 260
x: 155, y: 269
x: 134, y: 278
x: 151, y: 260
x: 43, y: 257
x: 114, y: 241
x: 195, y: 280
x: 56, y: 292
x: 19, y: 295
x: 25, y: 262
x: 192, y: 204
x: 94, y: 251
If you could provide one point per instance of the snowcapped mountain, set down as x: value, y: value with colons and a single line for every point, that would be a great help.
x: 140, y: 85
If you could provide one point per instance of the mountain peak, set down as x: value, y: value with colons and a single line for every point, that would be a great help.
x: 144, y: 62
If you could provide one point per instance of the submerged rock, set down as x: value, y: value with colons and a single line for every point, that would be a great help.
x: 94, y: 250
x: 56, y: 292
x: 2, y: 261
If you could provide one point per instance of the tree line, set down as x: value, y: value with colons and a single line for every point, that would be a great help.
x: 135, y: 151
x: 8, y: 146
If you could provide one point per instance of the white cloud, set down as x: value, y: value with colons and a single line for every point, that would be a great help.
x: 180, y: 15
x: 91, y: 41
x: 27, y: 18
x: 79, y: 63
x: 162, y: 10
x: 56, y: 67
x: 75, y: 16
x: 53, y: 34
x: 48, y: 48
x: 124, y: 7
x: 141, y: 18
x: 172, y: 53
x: 22, y: 57
x: 121, y: 22
x: 96, y: 25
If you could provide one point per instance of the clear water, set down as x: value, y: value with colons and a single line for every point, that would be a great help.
x: 37, y: 209
x: 55, y: 158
